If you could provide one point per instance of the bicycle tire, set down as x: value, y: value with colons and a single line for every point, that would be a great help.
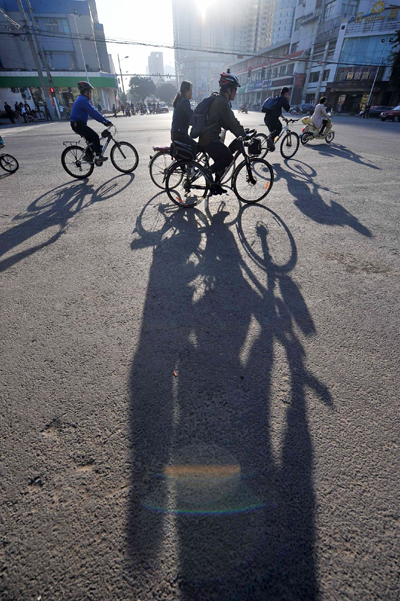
x: 185, y: 193
x: 78, y: 150
x: 158, y: 166
x: 264, y: 145
x: 290, y: 145
x: 262, y: 173
x: 9, y: 163
x: 119, y: 166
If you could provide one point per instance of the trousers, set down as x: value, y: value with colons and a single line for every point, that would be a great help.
x: 80, y: 128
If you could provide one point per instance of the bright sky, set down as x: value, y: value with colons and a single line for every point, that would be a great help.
x: 141, y: 21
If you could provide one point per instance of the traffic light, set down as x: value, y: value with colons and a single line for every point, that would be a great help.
x: 52, y: 91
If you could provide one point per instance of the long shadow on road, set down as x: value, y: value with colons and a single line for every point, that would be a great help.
x: 222, y: 497
x: 300, y: 179
x: 55, y: 208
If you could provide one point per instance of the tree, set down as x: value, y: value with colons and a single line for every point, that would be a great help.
x: 142, y: 87
x: 166, y: 92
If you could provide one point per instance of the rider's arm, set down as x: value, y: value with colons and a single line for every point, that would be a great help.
x: 285, y: 104
x: 91, y: 111
x: 230, y: 122
x: 187, y: 109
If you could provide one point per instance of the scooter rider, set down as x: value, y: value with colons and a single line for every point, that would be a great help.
x: 272, y: 115
x: 220, y: 115
x: 320, y: 117
x: 81, y: 110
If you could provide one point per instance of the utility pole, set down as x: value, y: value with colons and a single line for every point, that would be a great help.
x: 42, y: 55
x: 308, y: 72
x: 35, y: 58
x: 80, y: 43
x: 321, y: 73
x: 122, y: 79
x: 384, y: 42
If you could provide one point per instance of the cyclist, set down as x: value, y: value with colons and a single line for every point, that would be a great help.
x: 272, y: 115
x: 80, y: 112
x: 220, y: 115
x: 181, y: 117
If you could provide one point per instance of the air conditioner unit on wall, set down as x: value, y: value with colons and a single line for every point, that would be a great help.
x: 15, y: 90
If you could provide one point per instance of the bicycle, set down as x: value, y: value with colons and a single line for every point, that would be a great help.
x: 79, y: 162
x: 188, y: 182
x: 8, y: 162
x: 290, y: 141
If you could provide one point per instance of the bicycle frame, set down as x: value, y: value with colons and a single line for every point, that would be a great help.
x: 88, y: 146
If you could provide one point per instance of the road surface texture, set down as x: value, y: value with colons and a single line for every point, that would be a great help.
x: 201, y: 405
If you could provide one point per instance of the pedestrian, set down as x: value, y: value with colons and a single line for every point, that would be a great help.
x: 9, y: 112
x: 114, y: 110
x: 22, y: 111
x: 366, y: 111
x: 47, y: 113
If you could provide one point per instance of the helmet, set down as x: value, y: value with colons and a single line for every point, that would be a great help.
x: 229, y: 79
x: 83, y: 86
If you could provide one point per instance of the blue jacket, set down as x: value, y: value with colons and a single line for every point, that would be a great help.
x: 82, y: 109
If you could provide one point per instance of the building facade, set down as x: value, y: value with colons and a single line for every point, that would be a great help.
x: 211, y: 36
x: 156, y: 65
x: 73, y: 45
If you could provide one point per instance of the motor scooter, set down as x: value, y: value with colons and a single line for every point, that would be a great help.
x: 310, y: 132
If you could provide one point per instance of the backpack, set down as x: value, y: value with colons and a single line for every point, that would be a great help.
x: 270, y: 104
x: 198, y: 120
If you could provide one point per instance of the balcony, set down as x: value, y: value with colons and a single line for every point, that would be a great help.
x: 328, y: 30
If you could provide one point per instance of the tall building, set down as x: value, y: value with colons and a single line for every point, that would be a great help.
x: 156, y: 65
x: 283, y: 20
x: 74, y: 49
x: 210, y: 36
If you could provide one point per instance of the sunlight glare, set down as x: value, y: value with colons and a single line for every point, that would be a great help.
x: 203, y: 6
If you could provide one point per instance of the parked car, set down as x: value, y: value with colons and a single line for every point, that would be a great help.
x: 163, y: 108
x: 304, y: 108
x: 375, y: 111
x: 391, y: 114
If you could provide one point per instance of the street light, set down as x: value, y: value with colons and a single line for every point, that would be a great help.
x: 384, y: 42
x: 120, y: 70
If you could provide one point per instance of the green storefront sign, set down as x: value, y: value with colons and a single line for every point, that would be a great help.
x: 33, y: 81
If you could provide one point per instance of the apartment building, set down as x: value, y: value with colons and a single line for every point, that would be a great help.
x: 74, y: 49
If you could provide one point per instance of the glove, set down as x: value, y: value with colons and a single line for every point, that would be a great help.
x: 108, y: 123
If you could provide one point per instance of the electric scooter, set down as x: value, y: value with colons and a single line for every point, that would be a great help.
x: 310, y: 132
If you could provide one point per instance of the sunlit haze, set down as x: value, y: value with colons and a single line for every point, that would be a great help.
x: 141, y: 22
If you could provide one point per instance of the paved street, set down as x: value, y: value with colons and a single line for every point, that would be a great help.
x: 201, y: 405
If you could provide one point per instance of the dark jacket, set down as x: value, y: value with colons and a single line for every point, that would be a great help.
x: 181, y: 116
x: 220, y: 116
x: 276, y: 111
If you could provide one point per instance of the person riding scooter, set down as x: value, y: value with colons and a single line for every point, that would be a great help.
x: 320, y: 117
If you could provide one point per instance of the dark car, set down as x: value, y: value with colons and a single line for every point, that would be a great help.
x: 391, y: 114
x: 375, y: 111
x: 304, y: 108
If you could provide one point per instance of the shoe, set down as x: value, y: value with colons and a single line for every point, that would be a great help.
x: 270, y: 145
x: 217, y: 189
x: 100, y: 160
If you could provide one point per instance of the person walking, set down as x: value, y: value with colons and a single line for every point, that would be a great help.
x: 9, y: 112
x: 366, y: 111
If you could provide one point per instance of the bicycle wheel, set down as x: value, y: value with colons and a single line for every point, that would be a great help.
x: 124, y: 157
x: 290, y: 145
x: 254, y: 183
x: 193, y: 184
x: 158, y: 167
x: 8, y: 163
x: 29, y: 119
x: 264, y: 145
x: 306, y: 137
x: 330, y: 137
x: 74, y: 164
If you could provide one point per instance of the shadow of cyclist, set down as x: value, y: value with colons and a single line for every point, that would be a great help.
x: 53, y: 210
x: 343, y: 152
x: 307, y: 194
x: 216, y: 511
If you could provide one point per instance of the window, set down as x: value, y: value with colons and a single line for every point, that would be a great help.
x: 294, y: 47
x: 330, y: 10
x: 290, y: 69
x: 325, y: 76
x: 282, y: 70
x: 314, y: 76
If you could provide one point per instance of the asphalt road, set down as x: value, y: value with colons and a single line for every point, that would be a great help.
x: 201, y: 404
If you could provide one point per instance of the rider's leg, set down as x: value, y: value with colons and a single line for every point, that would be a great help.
x: 222, y: 158
x: 275, y: 127
x: 90, y: 136
x: 324, y: 122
